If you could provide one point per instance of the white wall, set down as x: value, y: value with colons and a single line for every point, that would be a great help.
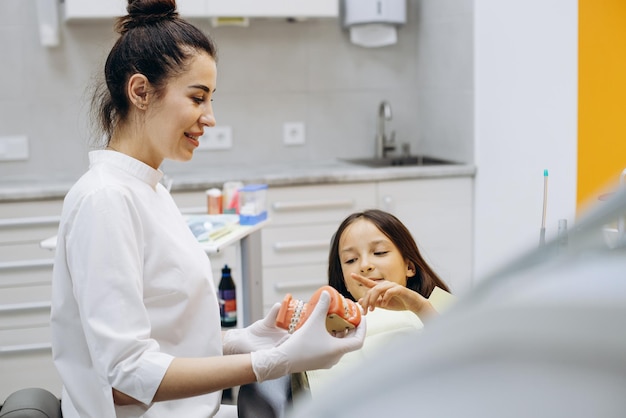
x: 268, y: 73
x: 485, y: 81
x: 445, y: 78
x: 525, y: 121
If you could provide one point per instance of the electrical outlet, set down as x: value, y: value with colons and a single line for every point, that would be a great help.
x: 293, y: 133
x: 13, y: 148
x: 216, y: 138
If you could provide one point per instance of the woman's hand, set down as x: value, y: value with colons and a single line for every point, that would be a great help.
x: 311, y: 347
x: 392, y: 296
x: 260, y: 335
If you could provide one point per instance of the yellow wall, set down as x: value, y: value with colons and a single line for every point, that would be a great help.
x: 601, y: 97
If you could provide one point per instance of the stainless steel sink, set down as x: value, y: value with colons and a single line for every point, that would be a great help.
x: 411, y: 160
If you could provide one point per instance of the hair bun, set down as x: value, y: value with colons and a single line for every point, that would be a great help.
x: 145, y: 12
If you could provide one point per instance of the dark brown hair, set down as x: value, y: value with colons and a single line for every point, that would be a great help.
x: 425, y: 278
x: 155, y: 42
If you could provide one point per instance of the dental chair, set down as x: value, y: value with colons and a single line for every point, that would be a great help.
x: 31, y: 403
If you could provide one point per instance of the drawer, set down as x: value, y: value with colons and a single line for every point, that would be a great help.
x: 18, y: 251
x: 318, y: 203
x: 40, y: 208
x: 26, y: 360
x: 21, y: 339
x: 25, y: 294
x: 29, y: 368
x: 300, y: 281
x: 25, y: 273
x: 290, y: 245
x: 24, y: 315
x: 27, y: 230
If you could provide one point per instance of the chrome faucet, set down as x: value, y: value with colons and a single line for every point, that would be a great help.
x: 384, y: 144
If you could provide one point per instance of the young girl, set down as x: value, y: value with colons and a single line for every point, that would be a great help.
x: 374, y: 260
x: 135, y: 316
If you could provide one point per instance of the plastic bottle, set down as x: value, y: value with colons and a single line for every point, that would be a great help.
x: 214, y: 201
x: 228, y: 299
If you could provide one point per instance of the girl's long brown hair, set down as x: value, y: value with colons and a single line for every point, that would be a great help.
x: 425, y: 279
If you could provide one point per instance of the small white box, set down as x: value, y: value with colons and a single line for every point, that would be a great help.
x: 294, y: 133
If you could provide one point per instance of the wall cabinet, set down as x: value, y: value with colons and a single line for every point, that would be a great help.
x: 96, y: 9
x: 25, y: 283
x: 274, y: 8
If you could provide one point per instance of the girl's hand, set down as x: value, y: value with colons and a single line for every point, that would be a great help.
x: 392, y: 296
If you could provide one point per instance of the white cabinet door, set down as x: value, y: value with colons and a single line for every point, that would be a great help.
x: 96, y: 9
x: 89, y: 9
x: 193, y: 8
x: 274, y: 8
x: 25, y: 286
x: 438, y: 212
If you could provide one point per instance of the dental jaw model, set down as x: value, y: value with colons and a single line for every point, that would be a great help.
x: 343, y: 314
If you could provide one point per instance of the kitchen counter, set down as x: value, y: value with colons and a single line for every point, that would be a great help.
x: 274, y: 174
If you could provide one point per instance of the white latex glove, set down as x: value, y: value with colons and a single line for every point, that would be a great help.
x: 309, y: 348
x: 260, y: 335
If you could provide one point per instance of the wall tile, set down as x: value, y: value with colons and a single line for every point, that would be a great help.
x: 12, y: 71
x: 446, y: 121
x: 269, y: 73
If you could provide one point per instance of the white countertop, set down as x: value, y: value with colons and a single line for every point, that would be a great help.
x: 274, y: 174
x: 210, y: 247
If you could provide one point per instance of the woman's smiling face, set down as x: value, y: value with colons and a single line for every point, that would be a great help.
x: 179, y: 117
x: 365, y: 250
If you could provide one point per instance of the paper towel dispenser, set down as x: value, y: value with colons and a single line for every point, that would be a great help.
x: 373, y: 23
x: 356, y: 12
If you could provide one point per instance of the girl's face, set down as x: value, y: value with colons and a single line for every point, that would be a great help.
x: 176, y: 120
x: 365, y: 250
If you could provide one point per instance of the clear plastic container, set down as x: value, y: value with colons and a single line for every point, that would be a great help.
x: 252, y: 204
x: 230, y: 196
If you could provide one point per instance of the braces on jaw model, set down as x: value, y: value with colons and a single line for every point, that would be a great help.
x: 343, y: 314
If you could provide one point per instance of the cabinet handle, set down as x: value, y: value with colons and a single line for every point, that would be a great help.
x: 32, y: 306
x: 299, y: 285
x: 301, y: 245
x: 31, y: 221
x: 312, y: 204
x: 26, y: 264
x: 24, y: 348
